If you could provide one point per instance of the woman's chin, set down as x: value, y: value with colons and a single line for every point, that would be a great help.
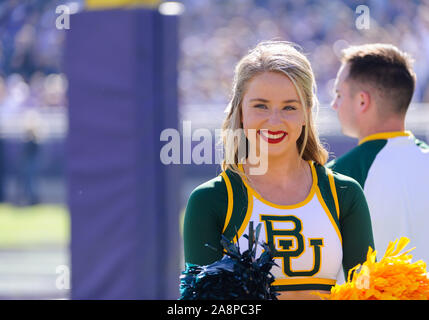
x: 272, y: 152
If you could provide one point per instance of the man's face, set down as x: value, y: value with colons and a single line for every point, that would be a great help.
x: 345, y: 103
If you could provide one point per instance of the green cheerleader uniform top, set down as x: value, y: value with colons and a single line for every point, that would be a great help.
x: 311, y: 240
x: 393, y: 170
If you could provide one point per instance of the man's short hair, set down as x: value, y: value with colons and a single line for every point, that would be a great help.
x: 384, y: 67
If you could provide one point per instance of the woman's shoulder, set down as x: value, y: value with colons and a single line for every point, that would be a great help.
x: 341, y: 181
x: 346, y: 189
x: 220, y: 196
x: 220, y: 184
x: 350, y: 195
x: 212, y: 190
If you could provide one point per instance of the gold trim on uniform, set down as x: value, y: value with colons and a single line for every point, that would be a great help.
x: 334, y: 192
x: 248, y: 214
x: 230, y: 200
x: 386, y: 135
x: 328, y: 213
x: 307, y: 280
x: 286, y: 206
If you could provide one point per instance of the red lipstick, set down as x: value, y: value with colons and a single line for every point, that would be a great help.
x: 273, y: 136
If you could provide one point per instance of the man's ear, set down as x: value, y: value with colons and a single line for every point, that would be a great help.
x: 364, y: 101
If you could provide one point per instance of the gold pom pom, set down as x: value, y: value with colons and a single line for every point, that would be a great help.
x: 394, y: 277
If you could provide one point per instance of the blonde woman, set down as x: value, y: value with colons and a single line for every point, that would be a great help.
x: 316, y: 221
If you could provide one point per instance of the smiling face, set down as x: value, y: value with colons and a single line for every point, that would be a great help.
x: 271, y: 102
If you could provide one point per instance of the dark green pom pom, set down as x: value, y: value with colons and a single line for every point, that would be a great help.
x: 237, y: 276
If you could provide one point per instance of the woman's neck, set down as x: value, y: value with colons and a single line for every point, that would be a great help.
x: 278, y: 169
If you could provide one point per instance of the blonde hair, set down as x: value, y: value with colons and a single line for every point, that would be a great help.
x: 281, y: 57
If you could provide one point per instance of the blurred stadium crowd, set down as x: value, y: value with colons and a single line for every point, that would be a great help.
x: 30, y: 56
x: 214, y: 35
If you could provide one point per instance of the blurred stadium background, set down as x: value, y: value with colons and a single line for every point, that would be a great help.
x: 34, y: 217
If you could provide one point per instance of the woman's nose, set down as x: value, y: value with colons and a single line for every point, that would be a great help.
x: 275, y: 117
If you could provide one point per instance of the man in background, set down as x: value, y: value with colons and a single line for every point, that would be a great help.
x: 374, y: 87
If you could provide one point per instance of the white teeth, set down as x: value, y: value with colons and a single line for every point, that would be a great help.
x: 272, y: 136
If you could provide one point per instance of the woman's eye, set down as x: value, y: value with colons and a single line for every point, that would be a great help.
x: 261, y: 106
x: 289, y: 108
